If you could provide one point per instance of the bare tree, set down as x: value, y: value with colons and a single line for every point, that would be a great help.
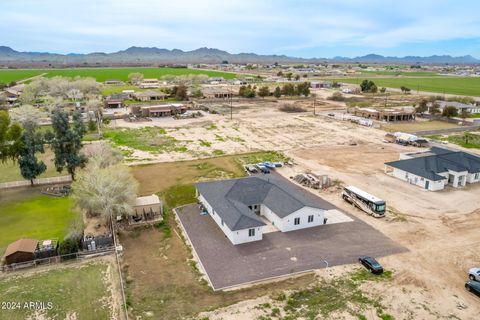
x: 27, y: 113
x: 135, y: 77
x: 104, y: 189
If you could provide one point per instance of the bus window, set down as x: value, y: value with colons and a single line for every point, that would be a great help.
x: 380, y: 207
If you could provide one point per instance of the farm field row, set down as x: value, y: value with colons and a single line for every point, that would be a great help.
x: 468, y: 86
x: 102, y: 74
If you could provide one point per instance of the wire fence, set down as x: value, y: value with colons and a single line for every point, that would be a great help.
x: 36, y: 182
x: 57, y: 259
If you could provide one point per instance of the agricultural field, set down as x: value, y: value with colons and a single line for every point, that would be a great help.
x: 417, y: 126
x: 102, y: 74
x: 75, y: 292
x: 468, y: 86
x: 401, y: 73
x: 27, y: 213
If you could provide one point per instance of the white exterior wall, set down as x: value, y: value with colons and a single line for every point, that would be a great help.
x: 471, y: 177
x: 417, y: 180
x: 236, y: 237
x: 288, y: 221
x: 272, y: 217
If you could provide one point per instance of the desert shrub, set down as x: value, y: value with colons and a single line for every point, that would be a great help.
x: 292, y: 108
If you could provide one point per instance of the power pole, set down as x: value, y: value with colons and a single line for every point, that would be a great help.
x: 231, y: 104
x: 314, y: 106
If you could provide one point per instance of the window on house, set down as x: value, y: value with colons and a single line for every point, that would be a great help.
x: 477, y: 175
x: 251, y: 232
x: 222, y: 222
x: 296, y: 221
x: 310, y: 218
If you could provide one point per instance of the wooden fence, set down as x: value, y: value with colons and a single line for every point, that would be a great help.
x: 36, y: 182
x: 57, y: 259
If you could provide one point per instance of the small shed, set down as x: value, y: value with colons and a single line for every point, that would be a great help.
x: 22, y: 250
x: 146, y: 209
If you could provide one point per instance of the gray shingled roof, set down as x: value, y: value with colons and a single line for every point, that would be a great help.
x: 440, y: 161
x: 230, y: 199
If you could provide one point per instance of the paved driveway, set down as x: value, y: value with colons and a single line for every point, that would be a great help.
x: 279, y: 253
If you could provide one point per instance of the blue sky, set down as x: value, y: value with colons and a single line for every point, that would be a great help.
x: 303, y: 28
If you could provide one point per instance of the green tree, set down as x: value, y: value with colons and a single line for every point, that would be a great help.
x: 297, y: 77
x: 289, y: 76
x: 434, y: 109
x: 181, y: 92
x: 68, y: 246
x: 303, y: 89
x: 277, y: 93
x: 264, y: 92
x: 32, y: 143
x: 10, y: 138
x: 368, y: 86
x: 288, y: 89
x: 450, y: 111
x: 67, y: 142
x: 464, y: 114
x: 422, y: 106
x: 383, y: 90
x: 279, y: 74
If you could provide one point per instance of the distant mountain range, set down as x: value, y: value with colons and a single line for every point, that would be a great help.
x: 143, y: 55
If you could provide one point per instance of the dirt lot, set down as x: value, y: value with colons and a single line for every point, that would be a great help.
x: 440, y: 229
x: 255, y: 126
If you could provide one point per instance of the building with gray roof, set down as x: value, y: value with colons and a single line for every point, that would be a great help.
x: 243, y: 207
x: 436, y: 168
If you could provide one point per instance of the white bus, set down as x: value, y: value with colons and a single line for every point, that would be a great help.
x: 364, y: 201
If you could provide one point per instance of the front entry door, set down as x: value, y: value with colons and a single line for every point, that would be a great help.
x: 427, y: 184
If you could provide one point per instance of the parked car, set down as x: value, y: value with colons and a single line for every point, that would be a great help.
x: 250, y: 168
x: 371, y: 264
x: 473, y: 286
x: 263, y: 169
x: 278, y: 164
x: 269, y: 165
x: 474, y: 274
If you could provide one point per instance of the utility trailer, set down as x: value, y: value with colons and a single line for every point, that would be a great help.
x: 364, y: 201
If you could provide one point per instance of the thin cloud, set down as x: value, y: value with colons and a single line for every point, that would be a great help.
x: 302, y: 28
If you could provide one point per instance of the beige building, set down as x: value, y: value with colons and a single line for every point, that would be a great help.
x: 150, y: 95
x: 219, y: 92
x: 386, y: 114
x: 147, y: 209
x: 150, y: 84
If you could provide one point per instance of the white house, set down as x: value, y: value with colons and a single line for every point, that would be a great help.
x: 437, y: 168
x: 243, y: 207
x: 470, y: 108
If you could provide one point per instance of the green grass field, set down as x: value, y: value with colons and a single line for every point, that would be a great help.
x: 467, y: 86
x: 74, y: 293
x: 27, y: 213
x: 9, y: 171
x: 401, y: 73
x: 102, y: 74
